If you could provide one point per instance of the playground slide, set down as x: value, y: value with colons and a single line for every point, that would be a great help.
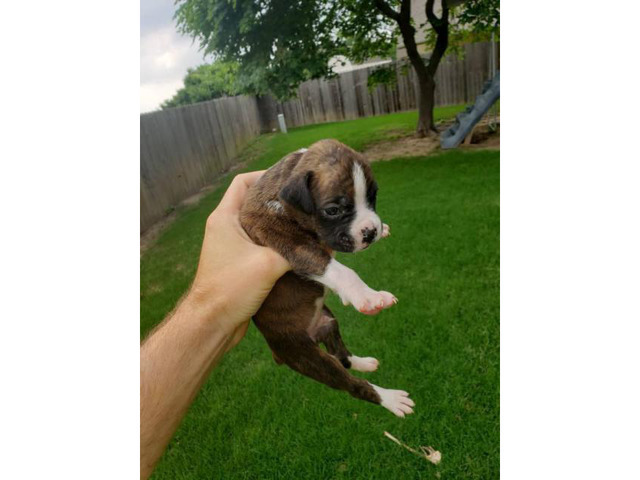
x: 465, y: 121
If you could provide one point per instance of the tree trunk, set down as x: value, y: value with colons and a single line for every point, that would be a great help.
x: 426, y: 101
x: 426, y: 84
x: 425, y: 73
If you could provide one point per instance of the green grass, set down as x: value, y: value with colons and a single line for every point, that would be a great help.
x: 254, y: 419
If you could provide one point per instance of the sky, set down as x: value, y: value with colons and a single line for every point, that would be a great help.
x: 165, y: 55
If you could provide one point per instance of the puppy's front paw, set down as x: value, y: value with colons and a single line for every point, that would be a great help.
x: 396, y: 401
x: 371, y: 302
x: 386, y: 231
x: 363, y: 364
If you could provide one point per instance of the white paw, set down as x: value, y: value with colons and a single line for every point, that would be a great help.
x: 370, y: 302
x: 364, y: 364
x: 352, y: 290
x: 396, y: 401
x: 386, y: 231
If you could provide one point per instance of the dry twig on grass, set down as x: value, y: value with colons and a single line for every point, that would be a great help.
x: 429, y: 453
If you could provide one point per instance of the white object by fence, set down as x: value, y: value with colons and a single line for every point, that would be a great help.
x: 282, y: 123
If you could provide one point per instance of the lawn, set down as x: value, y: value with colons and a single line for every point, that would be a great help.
x: 254, y: 419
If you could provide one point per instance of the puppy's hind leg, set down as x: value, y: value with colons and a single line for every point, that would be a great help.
x: 329, y: 335
x: 310, y: 360
x: 313, y: 362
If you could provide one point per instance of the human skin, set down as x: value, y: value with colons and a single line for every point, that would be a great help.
x: 234, y: 277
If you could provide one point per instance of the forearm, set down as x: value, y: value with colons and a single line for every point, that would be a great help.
x: 174, y: 363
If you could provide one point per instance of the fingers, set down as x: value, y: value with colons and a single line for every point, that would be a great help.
x: 237, y: 191
x: 231, y: 204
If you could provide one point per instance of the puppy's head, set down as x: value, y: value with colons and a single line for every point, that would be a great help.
x: 332, y: 191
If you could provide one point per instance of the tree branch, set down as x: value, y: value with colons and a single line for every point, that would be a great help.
x: 405, y: 11
x: 441, y: 27
x: 403, y: 18
x: 437, y: 23
x: 387, y: 10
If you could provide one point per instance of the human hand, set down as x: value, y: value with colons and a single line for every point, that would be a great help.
x: 234, y: 274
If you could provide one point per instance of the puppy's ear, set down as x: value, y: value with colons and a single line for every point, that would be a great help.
x: 298, y: 193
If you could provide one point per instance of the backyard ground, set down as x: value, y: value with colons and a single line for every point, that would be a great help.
x: 254, y: 419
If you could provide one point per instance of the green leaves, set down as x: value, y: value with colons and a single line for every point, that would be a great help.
x: 382, y: 75
x: 481, y: 16
x: 278, y: 44
x: 206, y: 83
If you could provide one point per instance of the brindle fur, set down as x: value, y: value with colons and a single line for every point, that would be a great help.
x: 293, y: 318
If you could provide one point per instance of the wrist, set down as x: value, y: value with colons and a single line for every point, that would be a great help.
x: 207, y: 321
x: 198, y: 304
x: 209, y: 310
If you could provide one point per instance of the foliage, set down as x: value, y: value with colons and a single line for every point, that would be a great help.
x: 279, y: 44
x: 206, y: 82
x: 473, y: 21
x: 381, y: 75
x: 481, y: 16
x: 254, y: 419
x: 366, y: 31
x: 469, y: 22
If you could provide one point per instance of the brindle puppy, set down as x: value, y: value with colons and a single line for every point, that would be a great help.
x: 311, y: 203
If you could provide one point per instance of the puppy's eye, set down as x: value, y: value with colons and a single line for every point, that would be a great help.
x: 331, y: 211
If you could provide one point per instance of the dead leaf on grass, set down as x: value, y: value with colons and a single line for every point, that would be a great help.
x: 428, y: 453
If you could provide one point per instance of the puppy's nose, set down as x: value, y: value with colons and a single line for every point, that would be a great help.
x: 369, y: 234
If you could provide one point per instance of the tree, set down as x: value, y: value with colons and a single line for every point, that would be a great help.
x: 425, y: 71
x: 279, y: 44
x: 206, y: 82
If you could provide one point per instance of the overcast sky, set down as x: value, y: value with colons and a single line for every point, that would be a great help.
x: 165, y: 55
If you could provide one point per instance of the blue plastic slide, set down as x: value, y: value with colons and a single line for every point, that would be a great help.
x: 465, y: 121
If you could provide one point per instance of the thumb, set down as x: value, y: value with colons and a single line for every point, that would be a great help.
x: 275, y: 264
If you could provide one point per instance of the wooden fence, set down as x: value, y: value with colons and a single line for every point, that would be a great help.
x: 183, y: 149
x: 347, y: 96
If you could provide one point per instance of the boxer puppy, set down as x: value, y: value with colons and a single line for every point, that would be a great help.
x: 307, y: 206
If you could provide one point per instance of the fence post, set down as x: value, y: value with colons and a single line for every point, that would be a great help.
x: 282, y: 123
